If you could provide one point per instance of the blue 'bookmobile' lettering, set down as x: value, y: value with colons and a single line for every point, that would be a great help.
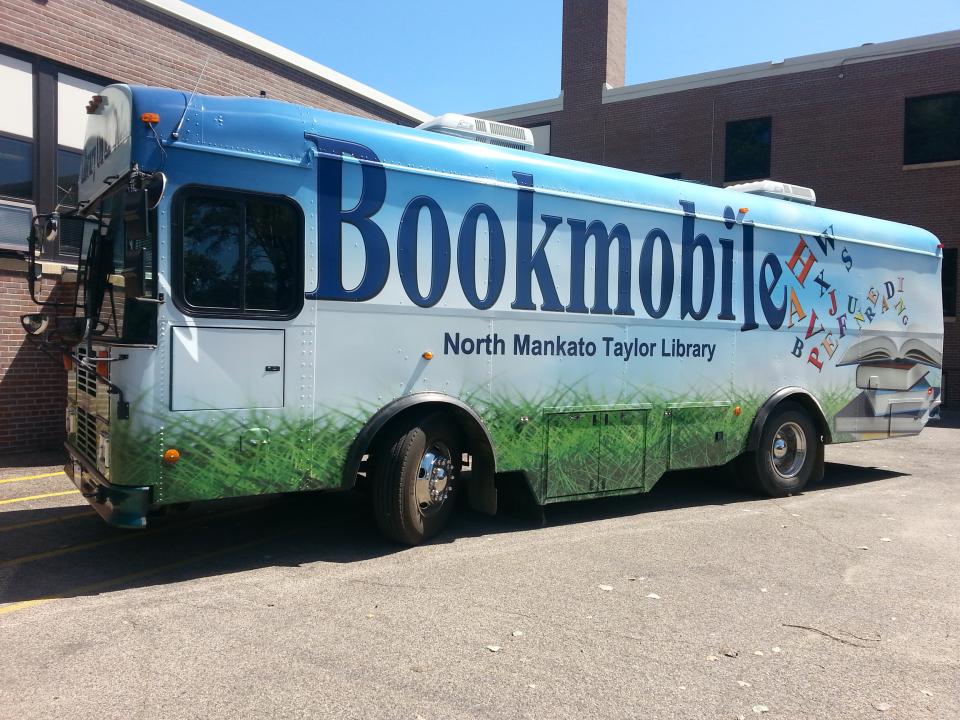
x: 696, y: 249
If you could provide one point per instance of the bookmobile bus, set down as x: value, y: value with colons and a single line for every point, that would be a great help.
x: 273, y: 298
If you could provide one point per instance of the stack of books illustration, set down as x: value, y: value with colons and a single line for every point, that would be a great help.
x: 894, y: 379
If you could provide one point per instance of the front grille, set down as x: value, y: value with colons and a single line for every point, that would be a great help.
x: 86, y: 438
x: 86, y: 378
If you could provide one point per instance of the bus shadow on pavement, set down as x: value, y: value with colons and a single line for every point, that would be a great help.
x: 842, y: 475
x: 69, y: 552
x: 698, y: 488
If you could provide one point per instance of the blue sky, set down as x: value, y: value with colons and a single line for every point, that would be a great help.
x: 450, y: 55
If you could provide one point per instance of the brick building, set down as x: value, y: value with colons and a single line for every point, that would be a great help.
x: 55, y: 54
x: 874, y: 130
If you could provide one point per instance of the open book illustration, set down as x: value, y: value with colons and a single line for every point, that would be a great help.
x: 897, y: 396
x: 883, y: 349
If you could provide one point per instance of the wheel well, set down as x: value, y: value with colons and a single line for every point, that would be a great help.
x: 406, y: 410
x: 800, y: 397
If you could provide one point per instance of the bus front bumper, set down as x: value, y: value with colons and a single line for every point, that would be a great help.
x: 119, y: 505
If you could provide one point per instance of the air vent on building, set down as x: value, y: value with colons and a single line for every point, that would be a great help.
x: 15, y: 219
x: 470, y: 128
x: 779, y: 190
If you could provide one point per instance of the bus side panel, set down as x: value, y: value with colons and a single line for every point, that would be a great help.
x: 699, y: 317
x: 557, y: 316
x: 529, y: 365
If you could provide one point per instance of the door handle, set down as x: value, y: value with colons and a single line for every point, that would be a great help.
x: 272, y: 368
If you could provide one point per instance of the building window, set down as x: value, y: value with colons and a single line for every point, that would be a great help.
x: 747, y: 150
x: 238, y: 254
x: 68, y: 173
x: 73, y: 94
x: 72, y: 97
x: 16, y: 110
x: 948, y: 278
x: 16, y: 152
x: 931, y: 129
x: 16, y: 168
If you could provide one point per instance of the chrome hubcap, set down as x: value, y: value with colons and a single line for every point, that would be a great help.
x: 788, y: 450
x: 434, y: 478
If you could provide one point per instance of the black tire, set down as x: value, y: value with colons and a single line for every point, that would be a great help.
x: 406, y: 511
x: 788, y: 455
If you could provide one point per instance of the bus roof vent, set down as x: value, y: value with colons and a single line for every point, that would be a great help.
x: 779, y: 190
x: 485, y: 131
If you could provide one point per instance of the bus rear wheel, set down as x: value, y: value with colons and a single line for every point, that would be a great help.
x: 416, y: 472
x: 788, y: 453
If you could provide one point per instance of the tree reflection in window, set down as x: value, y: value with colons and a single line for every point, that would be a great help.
x: 271, y: 230
x: 211, y: 252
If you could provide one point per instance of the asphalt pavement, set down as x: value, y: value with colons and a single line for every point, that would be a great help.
x: 694, y: 601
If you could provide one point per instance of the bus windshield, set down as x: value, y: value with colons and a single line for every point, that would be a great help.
x: 117, y: 283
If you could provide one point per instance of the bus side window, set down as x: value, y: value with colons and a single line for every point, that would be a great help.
x: 211, y: 252
x: 271, y: 232
x: 237, y: 254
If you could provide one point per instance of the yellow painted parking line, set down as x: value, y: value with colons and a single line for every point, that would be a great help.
x: 72, y: 548
x: 104, y: 584
x: 31, y: 477
x: 25, y: 604
x: 48, y: 521
x: 10, y: 501
x: 123, y: 537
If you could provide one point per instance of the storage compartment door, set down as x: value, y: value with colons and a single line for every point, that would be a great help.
x: 622, y: 448
x: 573, y: 447
x: 697, y: 435
x: 226, y: 369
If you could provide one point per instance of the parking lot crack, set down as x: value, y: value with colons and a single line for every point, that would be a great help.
x: 850, y: 640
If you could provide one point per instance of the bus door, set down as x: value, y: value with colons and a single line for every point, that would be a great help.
x: 237, y: 279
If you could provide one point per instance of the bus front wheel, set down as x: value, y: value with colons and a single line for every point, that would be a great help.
x: 416, y: 471
x: 788, y: 453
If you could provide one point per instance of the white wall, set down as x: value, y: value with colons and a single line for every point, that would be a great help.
x: 541, y: 138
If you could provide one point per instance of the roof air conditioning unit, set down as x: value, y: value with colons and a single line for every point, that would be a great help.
x: 480, y: 130
x: 779, y: 190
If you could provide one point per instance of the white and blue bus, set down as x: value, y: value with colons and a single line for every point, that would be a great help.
x: 274, y: 298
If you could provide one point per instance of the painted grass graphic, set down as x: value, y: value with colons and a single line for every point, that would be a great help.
x: 572, y: 444
x: 249, y: 454
x: 579, y: 445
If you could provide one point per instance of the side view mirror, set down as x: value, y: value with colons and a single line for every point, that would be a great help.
x: 71, y: 232
x: 51, y: 228
x: 35, y: 323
